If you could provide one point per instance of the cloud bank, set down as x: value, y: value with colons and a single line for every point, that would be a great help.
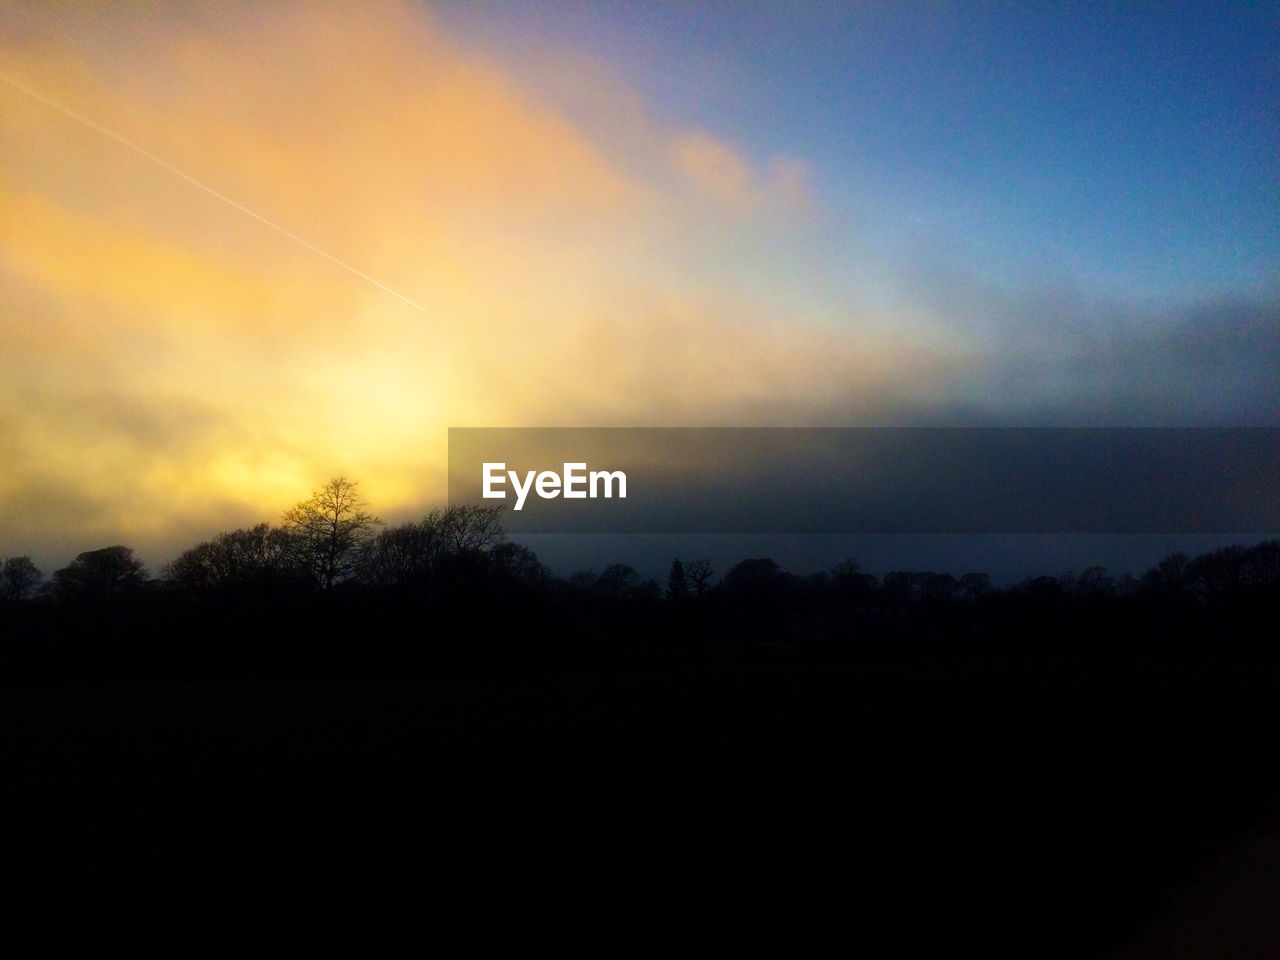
x: 170, y: 367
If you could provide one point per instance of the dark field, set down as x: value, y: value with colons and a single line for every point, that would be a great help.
x: 1020, y: 805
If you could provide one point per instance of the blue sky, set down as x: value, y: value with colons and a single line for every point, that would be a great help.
x: 1129, y: 148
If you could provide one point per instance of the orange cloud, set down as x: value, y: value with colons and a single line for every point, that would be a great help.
x: 721, y: 172
x: 169, y: 366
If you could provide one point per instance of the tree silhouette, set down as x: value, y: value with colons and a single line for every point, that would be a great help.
x: 975, y: 586
x: 677, y: 585
x: 100, y: 574
x: 401, y: 556
x: 622, y: 583
x: 1168, y: 578
x: 258, y: 556
x: 468, y: 528
x: 939, y: 587
x: 1095, y: 582
x: 850, y: 583
x: 455, y: 540
x: 755, y: 582
x: 698, y: 573
x: 19, y: 578
x: 516, y: 563
x: 900, y: 588
x: 329, y: 529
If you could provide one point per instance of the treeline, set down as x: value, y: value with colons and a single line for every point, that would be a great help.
x: 330, y: 542
x: 449, y: 547
x: 332, y: 589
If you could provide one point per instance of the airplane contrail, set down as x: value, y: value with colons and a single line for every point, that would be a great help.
x: 107, y: 132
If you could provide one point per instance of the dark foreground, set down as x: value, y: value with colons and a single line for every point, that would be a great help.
x: 880, y: 805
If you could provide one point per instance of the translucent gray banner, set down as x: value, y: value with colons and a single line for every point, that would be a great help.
x: 871, y: 480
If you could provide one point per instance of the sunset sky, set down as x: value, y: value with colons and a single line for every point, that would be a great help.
x: 641, y: 214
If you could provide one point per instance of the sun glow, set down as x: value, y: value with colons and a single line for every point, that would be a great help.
x: 199, y: 341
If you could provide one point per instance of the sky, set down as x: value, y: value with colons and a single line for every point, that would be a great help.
x: 271, y: 243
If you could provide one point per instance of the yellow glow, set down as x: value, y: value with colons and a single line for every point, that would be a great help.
x: 174, y: 367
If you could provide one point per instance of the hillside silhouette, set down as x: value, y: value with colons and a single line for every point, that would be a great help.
x: 341, y: 726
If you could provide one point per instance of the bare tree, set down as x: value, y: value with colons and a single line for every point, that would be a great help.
x: 698, y: 573
x: 400, y: 556
x: 444, y: 543
x: 329, y: 529
x: 468, y: 528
